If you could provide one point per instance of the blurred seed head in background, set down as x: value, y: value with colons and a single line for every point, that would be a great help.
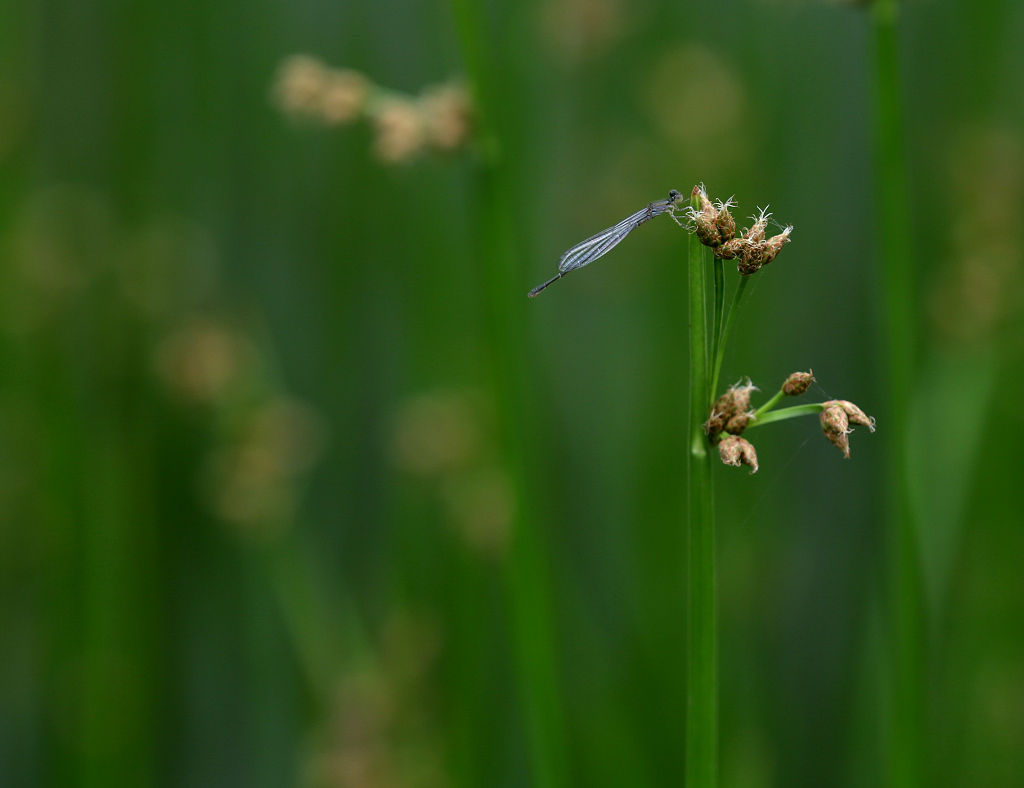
x: 439, y: 119
x: 982, y: 285
x: 580, y: 31
x: 712, y: 91
x: 382, y: 729
x: 446, y: 438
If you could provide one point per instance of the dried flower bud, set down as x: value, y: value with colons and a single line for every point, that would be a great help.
x: 748, y: 455
x: 797, y: 383
x: 774, y: 245
x: 736, y: 451
x: 738, y: 423
x: 729, y: 450
x: 836, y: 426
x: 733, y: 403
x: 752, y: 257
x: 756, y: 233
x: 704, y: 220
x: 723, y: 410
x: 741, y: 396
x: 725, y: 223
x: 725, y: 405
x: 730, y: 250
x: 855, y: 414
x: 715, y: 423
x: 735, y: 400
x: 706, y: 229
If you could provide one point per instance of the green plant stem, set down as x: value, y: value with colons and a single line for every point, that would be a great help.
x: 720, y: 351
x: 702, y: 621
x: 759, y: 413
x: 528, y: 578
x: 906, y: 593
x: 719, y: 314
x: 787, y: 413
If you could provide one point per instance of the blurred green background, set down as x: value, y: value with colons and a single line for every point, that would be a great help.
x: 297, y: 488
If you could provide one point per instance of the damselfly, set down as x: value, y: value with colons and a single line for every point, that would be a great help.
x: 606, y: 240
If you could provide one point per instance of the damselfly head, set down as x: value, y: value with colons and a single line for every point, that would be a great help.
x: 674, y: 196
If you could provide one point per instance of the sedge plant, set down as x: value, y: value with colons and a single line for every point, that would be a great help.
x: 720, y: 422
x: 717, y: 422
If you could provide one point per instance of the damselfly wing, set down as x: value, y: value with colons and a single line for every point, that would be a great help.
x: 599, y: 245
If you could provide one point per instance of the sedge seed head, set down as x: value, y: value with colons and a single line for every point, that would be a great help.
x: 729, y: 450
x: 836, y: 426
x: 702, y: 194
x: 705, y: 219
x: 756, y: 233
x: 774, y: 245
x: 797, y: 383
x: 730, y: 408
x: 738, y: 423
x: 855, y: 415
x: 723, y: 410
x: 748, y: 456
x: 737, y: 451
x: 724, y: 221
x: 730, y: 250
x: 741, y: 396
x: 752, y: 257
x: 715, y: 424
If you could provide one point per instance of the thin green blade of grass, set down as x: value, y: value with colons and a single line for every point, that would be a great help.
x: 702, y: 616
x: 528, y: 575
x: 904, y: 728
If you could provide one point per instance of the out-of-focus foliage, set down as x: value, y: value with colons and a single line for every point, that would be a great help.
x: 258, y: 509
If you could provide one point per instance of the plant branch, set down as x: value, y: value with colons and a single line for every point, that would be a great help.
x: 787, y: 413
x: 759, y: 413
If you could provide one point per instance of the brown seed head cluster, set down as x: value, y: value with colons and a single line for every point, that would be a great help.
x: 797, y: 383
x: 715, y: 227
x: 737, y: 451
x: 713, y: 223
x: 731, y: 412
x: 836, y: 420
x: 440, y: 118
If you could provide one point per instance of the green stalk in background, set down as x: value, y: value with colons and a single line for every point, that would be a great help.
x: 528, y: 579
x: 702, y: 620
x: 904, y: 728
